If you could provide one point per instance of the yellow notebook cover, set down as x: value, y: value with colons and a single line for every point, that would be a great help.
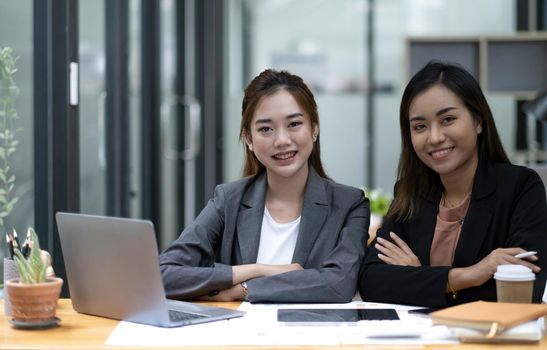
x: 487, y: 316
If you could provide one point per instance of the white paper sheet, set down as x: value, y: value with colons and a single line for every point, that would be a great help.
x: 260, y: 327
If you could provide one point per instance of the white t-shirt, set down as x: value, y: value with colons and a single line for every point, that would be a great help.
x: 277, y: 241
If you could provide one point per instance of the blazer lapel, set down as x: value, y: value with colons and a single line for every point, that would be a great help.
x: 477, y: 220
x: 249, y: 220
x: 315, y: 210
x: 426, y: 227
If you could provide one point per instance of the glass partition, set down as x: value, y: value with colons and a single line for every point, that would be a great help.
x: 16, y: 32
x: 92, y: 107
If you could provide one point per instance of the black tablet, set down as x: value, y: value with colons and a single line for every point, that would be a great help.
x: 336, y: 315
x: 423, y: 311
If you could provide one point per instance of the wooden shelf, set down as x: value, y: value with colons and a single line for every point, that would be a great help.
x: 515, y: 65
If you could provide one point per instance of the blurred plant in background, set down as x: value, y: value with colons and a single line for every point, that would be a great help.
x: 8, y: 132
x: 379, y: 201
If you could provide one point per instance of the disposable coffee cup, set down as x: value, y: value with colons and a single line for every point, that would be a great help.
x: 514, y: 284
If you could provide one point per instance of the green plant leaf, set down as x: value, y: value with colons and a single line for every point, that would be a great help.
x: 8, y: 128
x: 13, y: 201
x: 23, y: 267
x: 33, y: 269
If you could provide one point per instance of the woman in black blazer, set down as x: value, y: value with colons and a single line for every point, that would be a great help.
x: 460, y: 208
x: 283, y: 233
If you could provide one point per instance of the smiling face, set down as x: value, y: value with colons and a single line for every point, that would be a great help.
x: 281, y: 135
x: 443, y: 132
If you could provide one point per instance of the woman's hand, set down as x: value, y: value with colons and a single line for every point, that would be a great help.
x: 396, y: 253
x: 478, y: 274
x: 235, y: 293
x: 248, y: 272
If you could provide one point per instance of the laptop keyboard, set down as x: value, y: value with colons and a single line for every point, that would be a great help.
x: 177, y: 316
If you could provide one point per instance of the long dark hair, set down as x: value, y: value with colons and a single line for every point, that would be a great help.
x: 265, y: 84
x: 415, y: 180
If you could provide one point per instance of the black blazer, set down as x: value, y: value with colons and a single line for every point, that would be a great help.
x: 507, y: 209
x: 330, y: 245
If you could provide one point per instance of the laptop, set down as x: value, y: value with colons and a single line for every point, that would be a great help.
x: 113, y: 271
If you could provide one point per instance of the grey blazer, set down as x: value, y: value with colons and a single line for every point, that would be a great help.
x: 330, y: 244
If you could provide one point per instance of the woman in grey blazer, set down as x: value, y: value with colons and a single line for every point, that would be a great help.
x: 283, y: 233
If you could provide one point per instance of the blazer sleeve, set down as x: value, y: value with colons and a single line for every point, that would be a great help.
x: 525, y: 227
x: 381, y: 282
x: 188, y: 266
x: 335, y: 279
x: 528, y: 225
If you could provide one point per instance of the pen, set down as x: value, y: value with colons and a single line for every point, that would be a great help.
x: 16, y: 240
x: 525, y: 255
x: 25, y: 250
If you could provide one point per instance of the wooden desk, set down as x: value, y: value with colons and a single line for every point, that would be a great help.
x: 78, y: 331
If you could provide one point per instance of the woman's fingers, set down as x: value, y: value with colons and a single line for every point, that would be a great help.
x: 386, y: 259
x: 512, y: 260
x: 387, y: 244
x: 400, y: 243
x: 394, y: 254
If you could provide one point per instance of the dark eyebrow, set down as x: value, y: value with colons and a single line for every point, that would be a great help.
x: 269, y: 120
x: 438, y: 114
x: 444, y: 110
x: 294, y: 115
x: 263, y: 121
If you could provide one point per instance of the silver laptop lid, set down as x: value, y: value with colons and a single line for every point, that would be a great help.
x: 113, y: 275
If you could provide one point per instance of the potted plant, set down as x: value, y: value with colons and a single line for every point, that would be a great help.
x: 33, y: 295
x: 379, y: 202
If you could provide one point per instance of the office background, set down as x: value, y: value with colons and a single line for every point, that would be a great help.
x: 160, y: 84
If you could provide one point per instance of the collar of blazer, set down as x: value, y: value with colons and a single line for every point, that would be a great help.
x: 484, y: 183
x: 478, y: 217
x: 314, y: 212
x: 475, y: 225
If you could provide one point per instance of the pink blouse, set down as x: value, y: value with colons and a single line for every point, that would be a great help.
x: 447, y: 233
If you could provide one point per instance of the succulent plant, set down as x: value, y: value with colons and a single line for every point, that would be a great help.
x: 33, y: 269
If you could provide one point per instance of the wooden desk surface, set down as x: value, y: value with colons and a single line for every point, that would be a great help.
x: 78, y: 331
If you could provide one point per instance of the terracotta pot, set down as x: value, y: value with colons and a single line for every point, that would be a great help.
x: 34, y: 302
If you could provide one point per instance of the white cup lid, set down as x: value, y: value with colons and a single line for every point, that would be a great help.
x: 516, y: 273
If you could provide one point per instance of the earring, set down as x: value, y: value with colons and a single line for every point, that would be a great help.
x: 314, y: 137
x: 250, y: 147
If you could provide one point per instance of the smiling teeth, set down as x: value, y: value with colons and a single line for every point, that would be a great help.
x: 441, y: 153
x: 285, y: 155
